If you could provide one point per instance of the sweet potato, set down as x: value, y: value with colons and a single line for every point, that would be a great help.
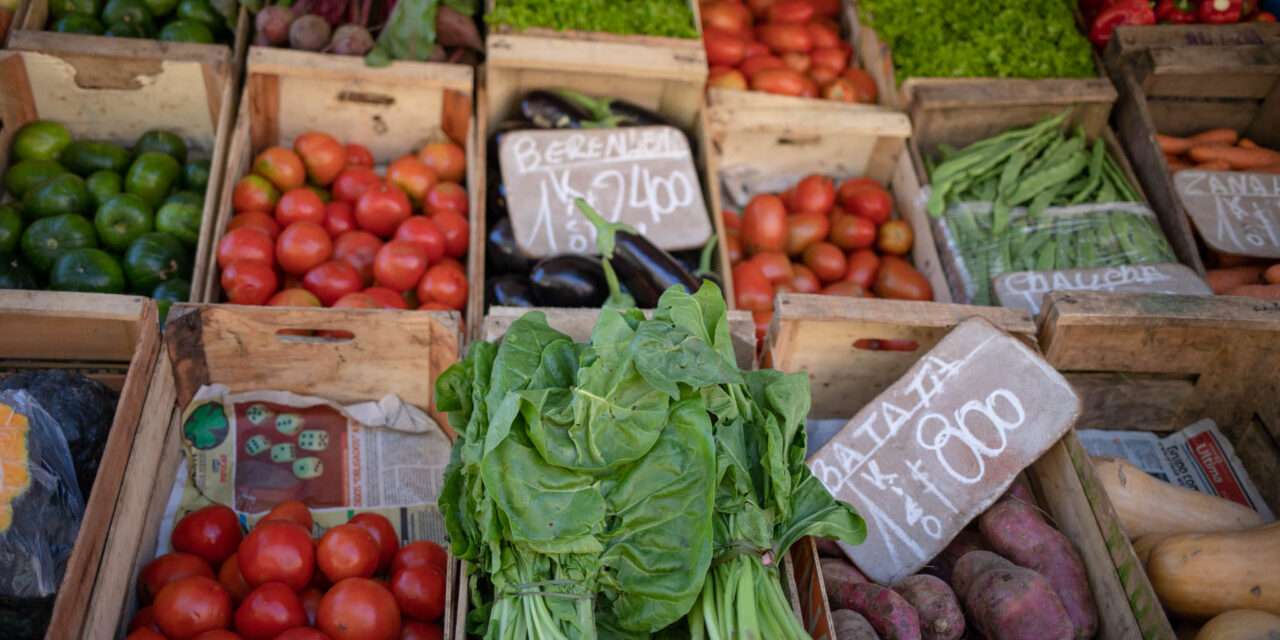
x: 1261, y: 291
x: 1016, y: 531
x: 1272, y: 274
x: 828, y: 548
x: 1012, y: 603
x: 943, y: 565
x: 1173, y: 145
x: 850, y: 625
x: 1215, y: 136
x: 838, y: 576
x: 1240, y: 159
x: 939, y: 610
x: 971, y: 566
x: 890, y: 614
x: 1224, y: 280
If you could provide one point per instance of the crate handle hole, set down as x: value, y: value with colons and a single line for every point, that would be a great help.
x: 886, y: 344
x: 314, y: 336
x: 365, y: 97
x: 797, y: 141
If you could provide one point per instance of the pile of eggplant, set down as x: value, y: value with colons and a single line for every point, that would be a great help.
x: 514, y: 279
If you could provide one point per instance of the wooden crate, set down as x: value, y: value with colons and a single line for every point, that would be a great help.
x: 246, y: 348
x: 392, y: 110
x: 820, y: 336
x: 1159, y: 363
x: 116, y: 89
x: 113, y: 339
x: 1185, y: 90
x: 1127, y: 41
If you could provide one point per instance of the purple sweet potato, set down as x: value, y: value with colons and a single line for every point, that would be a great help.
x: 890, y: 614
x: 944, y: 563
x: 1016, y: 531
x: 1008, y: 602
x: 939, y: 610
x: 850, y: 625
x: 828, y: 548
x: 973, y: 565
x: 838, y: 576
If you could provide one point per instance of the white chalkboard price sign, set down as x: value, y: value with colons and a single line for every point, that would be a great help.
x: 1235, y: 212
x: 942, y: 443
x: 641, y: 176
x: 1027, y: 289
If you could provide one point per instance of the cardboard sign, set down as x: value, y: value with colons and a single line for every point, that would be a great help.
x: 1235, y: 212
x: 1026, y: 289
x: 641, y: 176
x: 942, y: 443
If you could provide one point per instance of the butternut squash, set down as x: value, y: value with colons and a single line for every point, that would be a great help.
x: 1148, y: 505
x: 1200, y: 575
x: 1142, y: 546
x: 1241, y: 624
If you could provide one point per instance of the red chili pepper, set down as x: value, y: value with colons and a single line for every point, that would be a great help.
x: 1119, y: 13
x: 1176, y: 12
x: 1264, y: 16
x: 1091, y: 8
x: 1220, y: 11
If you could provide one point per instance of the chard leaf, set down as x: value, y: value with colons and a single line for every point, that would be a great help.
x: 551, y: 509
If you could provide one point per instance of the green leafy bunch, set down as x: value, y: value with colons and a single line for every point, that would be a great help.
x: 670, y: 18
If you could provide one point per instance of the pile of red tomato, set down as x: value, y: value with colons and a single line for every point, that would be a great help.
x: 315, y: 225
x: 276, y: 583
x: 788, y: 47
x: 815, y: 238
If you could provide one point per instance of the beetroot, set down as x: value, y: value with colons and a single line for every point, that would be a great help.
x: 309, y: 33
x: 350, y: 40
x: 272, y: 25
x: 455, y: 29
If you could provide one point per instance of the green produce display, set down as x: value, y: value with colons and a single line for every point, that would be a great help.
x: 1038, y: 199
x: 93, y: 216
x: 170, y: 20
x: 996, y: 38
x: 671, y: 18
x: 633, y: 483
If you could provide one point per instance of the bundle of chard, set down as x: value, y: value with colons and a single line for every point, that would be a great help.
x: 380, y: 30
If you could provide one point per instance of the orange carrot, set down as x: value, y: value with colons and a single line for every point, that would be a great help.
x: 1178, y: 165
x: 1224, y: 260
x: 1223, y: 280
x: 1272, y: 274
x: 1173, y: 144
x: 1215, y: 136
x: 1235, y: 156
x: 1264, y: 291
x: 1216, y: 165
x: 1246, y: 143
x: 1271, y: 168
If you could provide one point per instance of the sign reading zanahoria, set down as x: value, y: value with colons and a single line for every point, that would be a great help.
x: 1235, y: 212
x: 942, y: 443
x: 641, y: 176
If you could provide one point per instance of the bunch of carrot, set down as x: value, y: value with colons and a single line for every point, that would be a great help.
x: 1217, y: 150
x: 1244, y: 276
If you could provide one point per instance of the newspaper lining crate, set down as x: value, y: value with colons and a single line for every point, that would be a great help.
x: 113, y: 339
x: 246, y: 349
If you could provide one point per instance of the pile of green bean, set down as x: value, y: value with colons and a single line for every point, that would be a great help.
x: 1009, y: 184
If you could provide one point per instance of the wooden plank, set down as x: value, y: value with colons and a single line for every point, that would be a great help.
x: 39, y: 325
x: 1130, y: 40
x: 1138, y: 402
x: 1248, y: 72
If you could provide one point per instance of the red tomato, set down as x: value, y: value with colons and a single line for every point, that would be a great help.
x: 358, y: 249
x: 760, y: 8
x: 386, y: 298
x: 826, y: 261
x: 310, y: 599
x: 416, y: 555
x: 322, y: 155
x: 359, y: 609
x: 419, y: 593
x: 815, y: 194
x: 282, y: 167
x: 447, y: 159
x: 145, y: 618
x: 785, y: 38
x: 254, y: 193
x: 353, y: 182
x: 411, y: 176
x: 731, y: 219
x: 300, y: 205
x: 414, y: 630
x: 894, y: 238
x: 232, y: 580
x: 145, y: 634
x: 863, y: 265
x: 168, y: 568
x: 278, y: 550
x: 434, y: 306
x: 723, y: 48
x: 822, y: 76
x: 294, y: 297
x: 804, y: 229
x: 841, y: 90
x: 456, y: 232
x: 847, y: 189
x: 219, y: 634
x: 899, y: 280
x: 733, y: 246
x: 446, y: 283
x: 268, y: 611
x: 249, y: 282
x: 447, y: 196
x: 357, y: 300
x: 381, y: 209
x: 302, y: 246
x: 844, y: 288
x: 294, y: 511
x: 399, y: 265
x: 831, y: 57
x: 826, y: 8
x: 302, y: 633
x: 751, y: 66
x: 786, y: 82
x: 339, y: 217
x: 864, y: 83
x: 762, y: 320
x: 332, y: 280
x: 347, y: 551
x: 774, y: 265
x: 852, y: 232
x: 764, y: 224
x: 255, y: 220
x: 423, y: 232
x: 358, y: 155
x: 192, y: 605
x: 726, y: 78
x: 804, y: 281
x: 725, y: 15
x: 752, y: 290
x: 791, y: 11
x: 383, y: 532
x: 245, y: 243
x: 212, y: 533
x: 823, y: 35
x: 798, y: 62
x: 754, y: 49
